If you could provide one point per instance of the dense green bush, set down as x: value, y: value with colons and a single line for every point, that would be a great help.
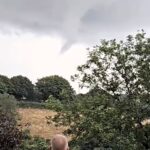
x: 54, y: 104
x: 8, y: 105
x: 33, y: 143
x: 10, y: 135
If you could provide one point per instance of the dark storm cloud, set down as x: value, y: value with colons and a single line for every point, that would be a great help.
x: 76, y: 20
x: 119, y: 13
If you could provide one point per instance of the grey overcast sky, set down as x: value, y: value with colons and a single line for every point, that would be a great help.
x: 45, y: 37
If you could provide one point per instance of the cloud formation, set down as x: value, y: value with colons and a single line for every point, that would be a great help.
x: 81, y: 21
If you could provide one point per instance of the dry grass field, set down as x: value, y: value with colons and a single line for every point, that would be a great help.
x: 35, y: 121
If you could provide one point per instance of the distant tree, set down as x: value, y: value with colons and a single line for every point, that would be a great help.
x: 115, y: 117
x: 56, y: 86
x: 3, y: 88
x: 96, y: 91
x: 5, y: 84
x: 37, y: 95
x: 22, y: 87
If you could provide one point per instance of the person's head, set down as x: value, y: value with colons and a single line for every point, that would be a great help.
x: 59, y: 142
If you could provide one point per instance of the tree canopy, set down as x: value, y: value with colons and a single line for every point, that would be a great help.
x: 5, y: 84
x: 115, y: 117
x: 56, y: 86
x: 22, y: 87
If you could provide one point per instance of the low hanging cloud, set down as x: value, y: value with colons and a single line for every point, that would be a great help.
x: 76, y: 21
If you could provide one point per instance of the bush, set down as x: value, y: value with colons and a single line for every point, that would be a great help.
x: 33, y: 143
x: 53, y: 104
x: 10, y: 135
x: 8, y: 105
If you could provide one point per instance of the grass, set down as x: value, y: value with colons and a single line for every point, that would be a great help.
x: 35, y: 121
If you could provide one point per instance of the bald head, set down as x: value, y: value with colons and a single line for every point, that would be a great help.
x: 59, y: 142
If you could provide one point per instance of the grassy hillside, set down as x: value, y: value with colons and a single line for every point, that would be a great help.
x: 35, y: 121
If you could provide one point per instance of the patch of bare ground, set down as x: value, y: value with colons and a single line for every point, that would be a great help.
x: 35, y: 120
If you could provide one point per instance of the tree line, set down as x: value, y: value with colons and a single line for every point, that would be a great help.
x: 23, y: 89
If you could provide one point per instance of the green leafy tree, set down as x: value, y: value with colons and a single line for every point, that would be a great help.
x: 22, y: 87
x: 113, y: 118
x: 56, y: 86
x: 5, y: 85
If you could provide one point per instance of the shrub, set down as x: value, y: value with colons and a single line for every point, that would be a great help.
x: 8, y: 105
x: 33, y: 143
x: 53, y: 104
x: 10, y: 135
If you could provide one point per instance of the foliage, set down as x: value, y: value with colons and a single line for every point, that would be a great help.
x: 56, y: 86
x: 53, y: 104
x: 22, y: 87
x: 29, y: 104
x: 37, y: 95
x: 5, y: 85
x: 10, y: 136
x: 114, y: 117
x: 34, y: 143
x: 7, y: 104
